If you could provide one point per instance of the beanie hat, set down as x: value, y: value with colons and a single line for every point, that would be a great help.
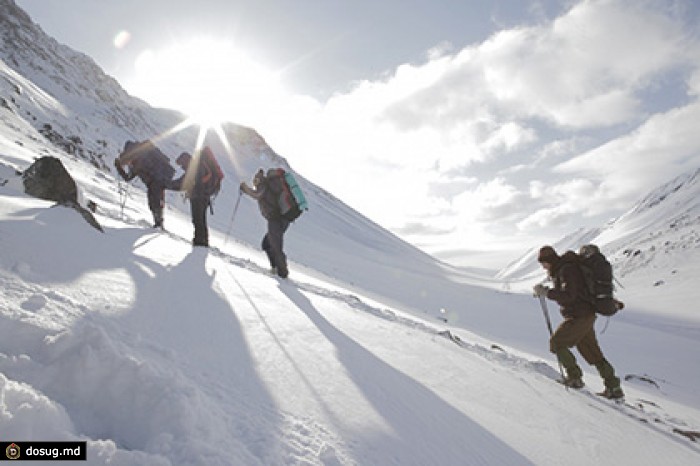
x: 547, y: 254
x: 587, y: 250
x: 183, y: 158
x: 259, y: 177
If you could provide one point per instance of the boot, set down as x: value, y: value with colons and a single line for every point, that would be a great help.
x: 612, y: 382
x: 158, y: 219
x: 574, y: 373
x: 573, y: 382
x: 282, y: 271
x: 612, y: 393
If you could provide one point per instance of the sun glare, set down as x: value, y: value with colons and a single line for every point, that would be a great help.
x: 209, y: 80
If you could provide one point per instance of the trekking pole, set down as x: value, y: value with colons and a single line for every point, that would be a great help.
x: 123, y: 195
x: 543, y: 303
x: 235, y: 209
x: 618, y: 282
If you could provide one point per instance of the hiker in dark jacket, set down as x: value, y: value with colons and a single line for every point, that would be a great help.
x: 193, y: 183
x: 578, y: 327
x: 273, y: 241
x: 152, y: 167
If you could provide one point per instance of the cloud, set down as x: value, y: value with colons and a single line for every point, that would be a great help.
x: 538, y: 127
x: 665, y: 145
x: 495, y: 200
x: 552, y: 204
x: 418, y: 229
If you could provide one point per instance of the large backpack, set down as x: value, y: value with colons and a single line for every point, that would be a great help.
x: 150, y: 160
x: 290, y: 198
x: 213, y: 175
x: 598, y: 276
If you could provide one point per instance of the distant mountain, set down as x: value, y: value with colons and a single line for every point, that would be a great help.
x: 662, y: 229
x: 67, y: 97
x: 56, y: 101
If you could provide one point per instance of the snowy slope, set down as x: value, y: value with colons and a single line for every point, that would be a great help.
x: 160, y: 354
x: 654, y: 248
x: 156, y: 353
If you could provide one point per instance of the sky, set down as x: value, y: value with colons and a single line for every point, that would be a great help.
x: 473, y: 129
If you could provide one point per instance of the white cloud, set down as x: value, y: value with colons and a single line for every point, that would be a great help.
x: 582, y: 70
x: 517, y: 110
x: 495, y: 199
x: 627, y: 167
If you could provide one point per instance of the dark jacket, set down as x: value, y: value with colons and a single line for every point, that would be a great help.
x: 146, y: 161
x: 569, y: 287
x: 268, y: 202
x: 192, y: 182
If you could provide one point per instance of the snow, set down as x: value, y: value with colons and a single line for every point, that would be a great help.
x: 158, y: 353
x: 371, y: 353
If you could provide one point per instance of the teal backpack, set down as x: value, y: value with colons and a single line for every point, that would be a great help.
x: 291, y: 199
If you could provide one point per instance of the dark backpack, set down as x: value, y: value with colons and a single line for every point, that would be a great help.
x: 598, y: 276
x: 213, y: 174
x: 290, y: 199
x: 149, y: 162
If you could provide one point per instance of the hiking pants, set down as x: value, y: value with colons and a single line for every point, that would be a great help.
x: 156, y: 201
x: 199, y: 206
x: 273, y: 243
x: 578, y: 332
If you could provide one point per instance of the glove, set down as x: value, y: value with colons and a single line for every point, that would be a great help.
x: 540, y: 290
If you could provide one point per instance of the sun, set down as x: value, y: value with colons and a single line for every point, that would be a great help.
x: 209, y: 80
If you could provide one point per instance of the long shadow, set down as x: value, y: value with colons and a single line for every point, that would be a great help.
x: 180, y: 316
x: 173, y: 364
x: 425, y: 428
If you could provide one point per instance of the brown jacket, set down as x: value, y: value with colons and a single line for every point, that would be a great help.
x: 569, y: 287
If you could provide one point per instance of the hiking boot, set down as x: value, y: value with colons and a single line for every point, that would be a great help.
x: 612, y: 393
x: 573, y: 382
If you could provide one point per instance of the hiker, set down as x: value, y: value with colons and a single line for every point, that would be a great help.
x: 197, y: 181
x: 145, y: 160
x: 577, y: 329
x: 273, y: 241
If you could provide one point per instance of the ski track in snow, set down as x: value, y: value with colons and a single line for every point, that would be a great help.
x: 57, y: 355
x: 641, y: 410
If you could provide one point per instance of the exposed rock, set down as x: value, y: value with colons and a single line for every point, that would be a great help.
x: 48, y: 179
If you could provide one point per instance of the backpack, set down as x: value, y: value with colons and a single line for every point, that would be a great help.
x: 598, y: 276
x: 148, y: 160
x: 211, y: 181
x: 290, y: 198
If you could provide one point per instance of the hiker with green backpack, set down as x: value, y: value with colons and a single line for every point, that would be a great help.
x: 578, y: 328
x: 280, y: 201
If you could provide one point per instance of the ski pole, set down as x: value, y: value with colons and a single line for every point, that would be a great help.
x: 618, y: 282
x: 235, y: 209
x: 543, y: 304
x: 123, y: 195
x: 545, y: 311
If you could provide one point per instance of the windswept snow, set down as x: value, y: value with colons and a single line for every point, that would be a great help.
x: 372, y: 353
x: 158, y: 353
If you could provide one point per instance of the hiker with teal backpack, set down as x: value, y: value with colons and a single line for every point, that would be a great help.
x: 578, y: 328
x: 280, y: 201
